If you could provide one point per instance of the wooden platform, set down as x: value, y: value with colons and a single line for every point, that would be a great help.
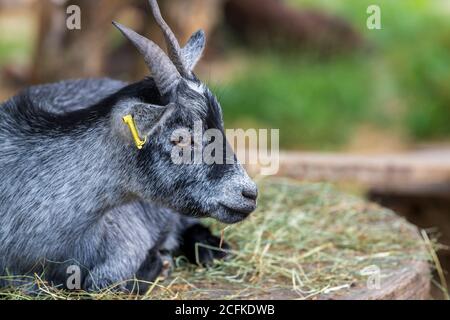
x: 305, y: 241
x: 426, y: 170
x: 312, y: 241
x: 409, y: 282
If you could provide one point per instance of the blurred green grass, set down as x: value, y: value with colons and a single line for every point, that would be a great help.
x: 403, y: 85
x: 314, y: 104
x: 11, y: 50
x: 16, y: 38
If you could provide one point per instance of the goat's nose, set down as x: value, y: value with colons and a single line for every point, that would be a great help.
x: 250, y: 191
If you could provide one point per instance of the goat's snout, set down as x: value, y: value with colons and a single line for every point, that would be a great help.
x: 250, y: 191
x: 239, y: 200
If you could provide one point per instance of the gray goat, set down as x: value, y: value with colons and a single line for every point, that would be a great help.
x: 75, y: 190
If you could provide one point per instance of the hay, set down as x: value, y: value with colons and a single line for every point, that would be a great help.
x: 305, y: 241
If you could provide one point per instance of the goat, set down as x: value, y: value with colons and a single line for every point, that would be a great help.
x: 76, y: 190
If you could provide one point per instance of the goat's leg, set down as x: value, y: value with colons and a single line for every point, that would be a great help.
x: 129, y: 250
x: 125, y: 273
x: 149, y: 270
x: 183, y: 235
x: 114, y: 273
x: 199, y: 245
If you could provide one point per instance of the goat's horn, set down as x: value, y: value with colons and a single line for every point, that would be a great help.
x: 164, y: 72
x: 173, y: 47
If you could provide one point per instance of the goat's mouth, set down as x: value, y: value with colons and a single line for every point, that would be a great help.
x: 234, y: 213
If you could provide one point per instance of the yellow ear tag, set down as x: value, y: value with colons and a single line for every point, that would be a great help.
x: 128, y: 119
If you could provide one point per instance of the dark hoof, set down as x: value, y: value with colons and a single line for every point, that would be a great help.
x: 200, y: 246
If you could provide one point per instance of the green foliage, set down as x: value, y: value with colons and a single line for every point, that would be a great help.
x: 10, y: 49
x: 402, y: 85
x: 313, y: 103
x: 16, y: 40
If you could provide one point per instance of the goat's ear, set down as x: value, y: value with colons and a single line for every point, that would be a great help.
x: 193, y: 50
x: 145, y: 118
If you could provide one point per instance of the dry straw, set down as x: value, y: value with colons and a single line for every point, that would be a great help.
x: 306, y: 240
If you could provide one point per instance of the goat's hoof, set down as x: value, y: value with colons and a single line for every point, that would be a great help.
x: 167, y: 267
x: 200, y: 246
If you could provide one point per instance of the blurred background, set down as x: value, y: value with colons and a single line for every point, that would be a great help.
x: 369, y: 109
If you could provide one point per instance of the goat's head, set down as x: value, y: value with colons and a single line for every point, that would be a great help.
x: 221, y: 189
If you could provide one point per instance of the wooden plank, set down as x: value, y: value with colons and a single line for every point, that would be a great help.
x: 413, y: 172
x: 410, y: 282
